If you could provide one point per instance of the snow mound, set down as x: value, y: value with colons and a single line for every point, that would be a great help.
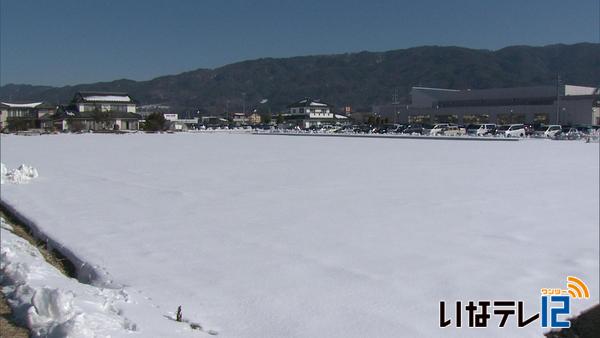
x: 3, y: 172
x: 52, y: 304
x: 22, y: 174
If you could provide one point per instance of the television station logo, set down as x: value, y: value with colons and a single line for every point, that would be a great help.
x: 555, y: 307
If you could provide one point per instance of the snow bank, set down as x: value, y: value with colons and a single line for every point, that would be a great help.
x: 22, y: 174
x: 51, y: 304
x: 3, y: 172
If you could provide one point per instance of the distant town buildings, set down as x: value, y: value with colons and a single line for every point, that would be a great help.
x: 146, y: 110
x: 113, y: 111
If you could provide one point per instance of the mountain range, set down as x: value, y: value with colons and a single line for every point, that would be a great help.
x: 359, y: 79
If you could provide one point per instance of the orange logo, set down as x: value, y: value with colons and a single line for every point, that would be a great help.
x: 576, y: 288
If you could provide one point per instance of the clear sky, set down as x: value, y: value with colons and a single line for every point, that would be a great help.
x: 63, y: 42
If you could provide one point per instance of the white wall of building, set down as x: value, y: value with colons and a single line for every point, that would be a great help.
x: 171, y: 117
x: 579, y: 90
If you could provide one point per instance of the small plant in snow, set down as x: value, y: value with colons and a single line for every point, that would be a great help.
x: 178, y: 316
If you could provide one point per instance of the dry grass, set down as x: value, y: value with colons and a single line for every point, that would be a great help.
x: 8, y: 328
x: 53, y: 257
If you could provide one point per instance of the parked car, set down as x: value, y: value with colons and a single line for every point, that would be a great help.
x: 584, y: 130
x: 364, y: 129
x: 568, y: 133
x: 540, y: 130
x: 414, y: 129
x: 472, y: 129
x: 552, y: 130
x: 529, y: 130
x: 400, y: 129
x: 386, y: 128
x: 515, y: 130
x: 438, y: 129
x: 453, y: 130
x: 501, y: 130
x: 486, y: 129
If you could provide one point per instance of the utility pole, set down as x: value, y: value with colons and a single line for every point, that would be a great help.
x: 395, y: 103
x: 244, y: 103
x: 557, y: 98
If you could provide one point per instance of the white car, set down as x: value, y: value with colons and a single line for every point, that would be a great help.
x: 486, y: 129
x: 515, y: 130
x: 438, y: 129
x: 552, y: 130
x: 452, y: 131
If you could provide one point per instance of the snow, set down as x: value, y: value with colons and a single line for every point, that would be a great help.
x: 3, y: 172
x: 22, y: 105
x: 306, y: 236
x: 51, y: 303
x: 109, y: 98
x: 22, y: 174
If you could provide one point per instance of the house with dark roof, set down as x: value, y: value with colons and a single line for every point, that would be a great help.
x: 24, y: 115
x: 104, y: 101
x: 96, y: 111
x: 308, y: 112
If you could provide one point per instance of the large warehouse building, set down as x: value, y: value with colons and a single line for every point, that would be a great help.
x: 567, y: 105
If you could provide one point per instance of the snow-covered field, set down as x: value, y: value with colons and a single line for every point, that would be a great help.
x: 272, y: 236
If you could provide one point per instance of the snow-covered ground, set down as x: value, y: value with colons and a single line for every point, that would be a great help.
x: 259, y: 236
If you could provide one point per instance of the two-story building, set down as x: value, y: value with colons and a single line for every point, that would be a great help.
x: 24, y: 115
x: 239, y: 119
x: 254, y: 118
x: 97, y: 111
x: 307, y: 113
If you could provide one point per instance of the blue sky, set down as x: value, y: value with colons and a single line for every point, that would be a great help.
x: 63, y: 42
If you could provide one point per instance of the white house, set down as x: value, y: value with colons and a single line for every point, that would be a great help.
x: 309, y: 112
x: 239, y: 119
x: 104, y: 101
x: 97, y: 111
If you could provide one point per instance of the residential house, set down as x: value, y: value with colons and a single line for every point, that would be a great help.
x: 307, y: 113
x: 96, y: 111
x: 254, y: 119
x: 24, y: 115
x: 239, y: 119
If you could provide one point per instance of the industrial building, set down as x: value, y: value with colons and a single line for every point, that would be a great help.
x: 565, y: 104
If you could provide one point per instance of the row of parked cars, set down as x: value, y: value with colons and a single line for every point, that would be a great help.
x: 485, y: 129
x: 541, y: 131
